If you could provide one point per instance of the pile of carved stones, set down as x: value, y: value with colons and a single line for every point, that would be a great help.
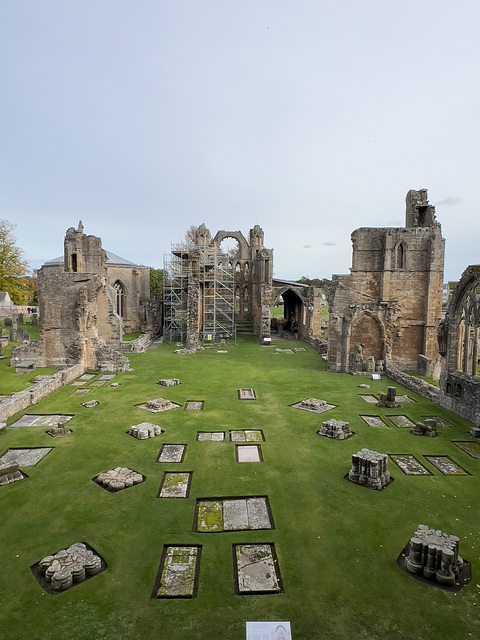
x: 144, y: 430
x: 435, y: 555
x: 70, y: 565
x: 159, y: 404
x: 427, y: 428
x: 168, y: 382
x: 119, y: 478
x: 369, y: 468
x: 387, y: 400
x: 336, y: 429
x: 59, y: 430
x: 312, y: 404
x: 10, y: 473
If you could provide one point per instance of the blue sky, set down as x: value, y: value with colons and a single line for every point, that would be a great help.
x: 310, y: 118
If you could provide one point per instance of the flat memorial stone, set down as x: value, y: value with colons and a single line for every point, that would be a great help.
x: 214, y: 436
x: 401, y: 421
x: 87, y: 376
x: 178, y: 572
x: 374, y: 421
x: 193, y: 405
x: 268, y: 630
x: 446, y: 465
x: 410, y: 465
x: 107, y: 376
x: 368, y: 398
x: 172, y: 453
x: 31, y: 420
x: 246, y: 394
x: 246, y: 435
x: 258, y: 515
x: 248, y: 453
x: 175, y: 485
x: 471, y: 448
x: 256, y: 569
x: 24, y: 457
x: 235, y: 516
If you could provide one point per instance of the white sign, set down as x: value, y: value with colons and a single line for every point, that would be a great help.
x: 268, y: 631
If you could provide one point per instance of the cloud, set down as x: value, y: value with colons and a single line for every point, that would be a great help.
x: 329, y: 244
x: 307, y: 246
x: 449, y: 201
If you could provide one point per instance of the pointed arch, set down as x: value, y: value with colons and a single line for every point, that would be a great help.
x: 120, y: 298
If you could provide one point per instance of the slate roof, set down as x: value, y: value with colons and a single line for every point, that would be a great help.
x: 112, y: 261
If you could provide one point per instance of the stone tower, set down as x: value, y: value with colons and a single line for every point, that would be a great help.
x: 389, y: 307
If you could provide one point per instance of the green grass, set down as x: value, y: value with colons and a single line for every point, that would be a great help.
x: 11, y: 382
x: 428, y: 379
x: 129, y: 337
x: 336, y: 543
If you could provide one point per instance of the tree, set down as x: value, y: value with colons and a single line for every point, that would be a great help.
x: 156, y: 283
x: 13, y: 269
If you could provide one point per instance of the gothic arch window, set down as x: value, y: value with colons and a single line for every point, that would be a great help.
x: 120, y: 298
x: 400, y: 256
x: 448, y: 389
x: 458, y: 393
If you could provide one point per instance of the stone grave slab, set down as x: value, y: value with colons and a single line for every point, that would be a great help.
x: 313, y: 405
x: 213, y: 436
x: 175, y: 484
x: 246, y: 394
x: 403, y: 399
x: 68, y: 567
x: 107, y: 376
x: 213, y: 515
x: 401, y: 421
x: 471, y: 448
x: 87, y: 376
x: 258, y: 513
x: 374, y: 421
x: 235, y: 515
x: 172, y: 453
x: 178, y: 573
x: 246, y: 435
x: 256, y: 569
x: 248, y: 453
x: 77, y: 383
x: 299, y: 349
x: 157, y: 405
x: 193, y: 405
x: 409, y: 465
x: 441, y: 422
x: 368, y: 397
x: 446, y: 465
x: 31, y: 420
x: 81, y: 392
x: 268, y: 630
x: 97, y: 383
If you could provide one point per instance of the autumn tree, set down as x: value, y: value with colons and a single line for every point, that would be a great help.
x: 14, y: 270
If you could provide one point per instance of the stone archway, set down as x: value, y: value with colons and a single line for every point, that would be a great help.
x: 367, y: 331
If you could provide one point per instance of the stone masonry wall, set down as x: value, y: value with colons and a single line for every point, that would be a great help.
x: 39, y: 390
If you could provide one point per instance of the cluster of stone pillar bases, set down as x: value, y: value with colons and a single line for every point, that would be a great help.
x: 434, y: 555
x: 369, y: 469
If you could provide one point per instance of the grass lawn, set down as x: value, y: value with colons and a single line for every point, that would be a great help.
x: 336, y: 543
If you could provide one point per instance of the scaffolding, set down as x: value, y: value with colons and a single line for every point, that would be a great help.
x: 217, y: 276
x: 212, y: 273
x: 175, y: 288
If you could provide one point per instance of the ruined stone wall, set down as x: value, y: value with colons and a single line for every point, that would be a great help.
x: 39, y: 390
x: 136, y: 282
x: 391, y: 303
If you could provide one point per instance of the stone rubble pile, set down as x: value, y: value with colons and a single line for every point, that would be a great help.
x: 336, y: 429
x: 387, y: 400
x: 435, y: 555
x: 59, y: 430
x: 370, y: 468
x: 312, y: 404
x: 90, y: 404
x: 119, y: 478
x: 70, y: 565
x: 168, y: 382
x: 427, y: 428
x: 144, y: 430
x: 159, y: 404
x: 10, y: 473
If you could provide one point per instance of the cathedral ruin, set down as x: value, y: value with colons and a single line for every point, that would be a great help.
x: 390, y: 305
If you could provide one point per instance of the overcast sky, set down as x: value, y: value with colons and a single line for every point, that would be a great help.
x: 310, y: 118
